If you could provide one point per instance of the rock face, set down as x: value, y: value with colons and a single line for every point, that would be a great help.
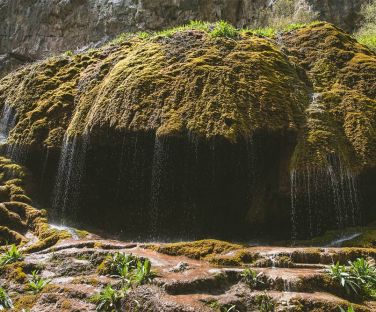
x: 32, y: 29
x: 198, y: 132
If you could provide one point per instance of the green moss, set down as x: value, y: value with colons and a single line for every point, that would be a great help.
x: 25, y: 301
x: 16, y: 213
x: 342, y: 119
x: 193, y: 79
x: 14, y: 272
x: 203, y: 249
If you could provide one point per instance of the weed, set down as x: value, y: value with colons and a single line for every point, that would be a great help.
x: 252, y: 278
x: 5, y: 301
x: 37, y: 283
x: 10, y: 256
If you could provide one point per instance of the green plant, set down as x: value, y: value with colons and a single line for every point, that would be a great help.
x: 341, y: 274
x: 119, y: 262
x: 11, y: 255
x: 108, y: 299
x: 131, y: 269
x: 143, y: 274
x: 358, y: 278
x: 349, y: 309
x: 37, y: 283
x: 224, y: 29
x: 5, y: 301
x: 252, y: 278
x: 265, y: 303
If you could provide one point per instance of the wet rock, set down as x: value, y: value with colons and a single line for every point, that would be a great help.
x: 180, y: 267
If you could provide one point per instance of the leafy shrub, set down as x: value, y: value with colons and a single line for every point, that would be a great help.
x: 37, y: 283
x: 5, y: 301
x: 10, y: 256
x: 252, y: 278
x: 108, y: 299
x: 265, y: 303
x: 358, y: 278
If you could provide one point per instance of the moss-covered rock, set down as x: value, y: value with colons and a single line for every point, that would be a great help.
x: 190, y: 82
x: 198, y: 249
x: 341, y: 118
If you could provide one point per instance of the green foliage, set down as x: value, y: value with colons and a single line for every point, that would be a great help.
x: 5, y: 301
x: 132, y: 270
x: 10, y: 256
x: 224, y: 29
x: 268, y: 32
x: 119, y: 261
x: 108, y: 299
x: 143, y: 274
x: 37, y: 283
x: 349, y: 309
x: 265, y: 303
x: 252, y: 278
x: 358, y: 278
x: 367, y: 32
x: 218, y: 29
x: 368, y: 39
x: 68, y: 53
x: 193, y: 25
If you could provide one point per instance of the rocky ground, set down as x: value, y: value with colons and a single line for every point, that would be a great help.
x: 209, y: 279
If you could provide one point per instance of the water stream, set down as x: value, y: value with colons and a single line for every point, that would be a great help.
x: 68, y: 182
x: 7, y: 122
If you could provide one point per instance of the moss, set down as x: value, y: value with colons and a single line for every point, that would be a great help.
x: 16, y: 214
x: 25, y: 301
x: 14, y: 272
x: 196, y: 80
x: 235, y: 258
x: 48, y: 236
x: 203, y: 249
x: 8, y: 236
x: 342, y: 119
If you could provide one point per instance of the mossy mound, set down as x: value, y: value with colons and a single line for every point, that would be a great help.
x: 189, y: 82
x: 341, y: 119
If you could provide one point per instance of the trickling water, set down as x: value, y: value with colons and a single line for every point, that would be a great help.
x: 322, y: 195
x: 71, y: 165
x: 338, y: 242
x: 157, y: 165
x: 68, y: 229
x: 318, y: 195
x: 7, y: 122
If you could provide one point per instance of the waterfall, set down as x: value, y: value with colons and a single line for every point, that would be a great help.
x: 68, y: 181
x: 156, y: 184
x: 7, y: 122
x: 321, y: 198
